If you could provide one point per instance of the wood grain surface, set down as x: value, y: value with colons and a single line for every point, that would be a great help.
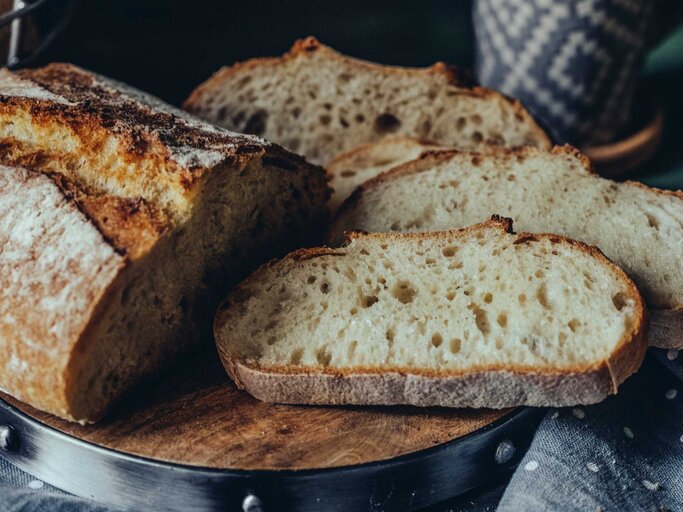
x: 195, y: 416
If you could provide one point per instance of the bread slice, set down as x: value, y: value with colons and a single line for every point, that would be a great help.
x: 478, y: 317
x: 638, y: 227
x: 350, y: 169
x: 320, y: 103
x: 129, y: 221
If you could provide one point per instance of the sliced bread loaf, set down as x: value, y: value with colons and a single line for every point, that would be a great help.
x: 350, y: 169
x: 320, y: 103
x: 478, y: 317
x: 133, y: 219
x: 640, y: 228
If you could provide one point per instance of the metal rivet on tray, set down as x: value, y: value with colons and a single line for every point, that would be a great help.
x: 251, y: 504
x: 9, y: 439
x: 505, y: 451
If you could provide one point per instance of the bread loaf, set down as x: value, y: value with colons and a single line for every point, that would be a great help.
x: 479, y: 317
x: 320, y: 103
x: 122, y: 220
x: 639, y: 228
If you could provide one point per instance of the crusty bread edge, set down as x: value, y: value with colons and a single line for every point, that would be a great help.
x: 308, y: 45
x: 506, y: 387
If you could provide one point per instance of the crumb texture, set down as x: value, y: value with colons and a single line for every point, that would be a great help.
x: 319, y: 103
x: 446, y: 304
x: 639, y: 228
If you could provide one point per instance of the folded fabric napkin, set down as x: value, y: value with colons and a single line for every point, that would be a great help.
x: 624, y: 454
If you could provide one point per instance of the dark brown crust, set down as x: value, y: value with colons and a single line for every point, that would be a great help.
x: 305, y: 47
x: 94, y: 105
x: 359, y: 385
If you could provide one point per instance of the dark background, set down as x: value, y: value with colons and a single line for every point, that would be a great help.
x: 169, y: 46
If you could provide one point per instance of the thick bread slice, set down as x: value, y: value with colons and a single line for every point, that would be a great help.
x: 320, y: 103
x: 131, y: 221
x: 354, y: 167
x: 479, y: 317
x: 640, y: 228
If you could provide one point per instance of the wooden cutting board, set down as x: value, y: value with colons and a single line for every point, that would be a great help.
x: 195, y: 416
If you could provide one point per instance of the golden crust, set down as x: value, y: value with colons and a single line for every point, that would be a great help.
x: 622, y: 362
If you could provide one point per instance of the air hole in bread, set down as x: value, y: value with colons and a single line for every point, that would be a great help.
x: 348, y: 173
x: 404, y: 292
x: 450, y: 296
x: 343, y: 122
x: 620, y: 300
x: 256, y: 124
x: 271, y: 340
x: 426, y: 127
x: 390, y: 334
x: 455, y: 265
x: 297, y: 354
x: 502, y: 319
x: 352, y: 348
x: 395, y: 226
x: 353, y: 311
x: 521, y: 298
x: 460, y: 124
x: 480, y: 318
x: 477, y: 137
x: 325, y: 287
x: 387, y: 123
x: 323, y: 356
x: 311, y: 279
x: 488, y: 297
x: 325, y: 119
x: 360, y: 118
x: 296, y: 112
x: 449, y: 251
x: 270, y: 325
x: 368, y: 300
x: 542, y: 296
x: 539, y: 274
x: 344, y: 78
x: 499, y: 343
x: 455, y: 345
x: 573, y: 324
x: 437, y: 340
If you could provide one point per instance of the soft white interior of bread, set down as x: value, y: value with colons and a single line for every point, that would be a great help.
x: 351, y: 169
x: 165, y: 304
x: 442, y: 302
x: 320, y: 106
x: 639, y: 228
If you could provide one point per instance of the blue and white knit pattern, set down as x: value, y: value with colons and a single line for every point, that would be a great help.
x: 573, y: 63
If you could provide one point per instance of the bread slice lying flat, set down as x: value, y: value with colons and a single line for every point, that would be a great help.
x: 639, y: 228
x: 320, y: 103
x: 479, y: 317
x: 366, y: 161
x: 129, y: 221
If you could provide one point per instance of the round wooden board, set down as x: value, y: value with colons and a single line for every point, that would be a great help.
x: 195, y: 416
